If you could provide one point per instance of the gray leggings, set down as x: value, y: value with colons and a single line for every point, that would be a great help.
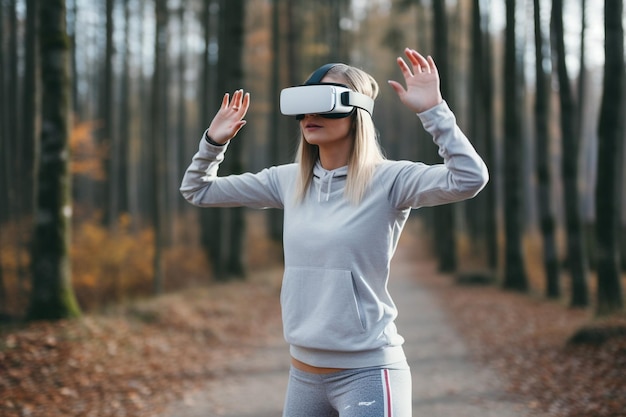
x: 363, y: 392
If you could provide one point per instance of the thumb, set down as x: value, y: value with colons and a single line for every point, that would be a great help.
x: 397, y: 87
x: 239, y: 125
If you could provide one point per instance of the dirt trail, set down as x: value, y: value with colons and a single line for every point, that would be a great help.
x: 446, y: 382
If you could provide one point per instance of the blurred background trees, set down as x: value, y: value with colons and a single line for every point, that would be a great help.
x: 526, y: 80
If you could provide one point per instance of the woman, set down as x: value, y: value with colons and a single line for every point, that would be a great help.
x: 344, y: 209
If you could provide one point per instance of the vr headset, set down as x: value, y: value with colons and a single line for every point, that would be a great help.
x: 330, y: 100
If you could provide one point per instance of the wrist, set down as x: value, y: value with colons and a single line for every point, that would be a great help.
x: 210, y: 140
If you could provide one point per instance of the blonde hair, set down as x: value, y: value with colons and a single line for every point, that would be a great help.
x: 366, y: 153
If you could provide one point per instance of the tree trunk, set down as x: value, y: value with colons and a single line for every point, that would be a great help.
x: 208, y: 222
x: 610, y: 162
x: 475, y: 209
x: 4, y: 133
x: 3, y: 171
x: 125, y: 117
x: 109, y: 203
x: 29, y: 112
x: 276, y: 144
x: 229, y: 232
x: 444, y: 215
x: 158, y: 146
x: 179, y: 149
x: 542, y: 156
x: 576, y: 256
x: 490, y: 189
x: 480, y: 211
x: 52, y: 296
x: 515, y: 271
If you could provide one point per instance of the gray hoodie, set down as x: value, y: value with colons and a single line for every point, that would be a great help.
x: 337, y: 312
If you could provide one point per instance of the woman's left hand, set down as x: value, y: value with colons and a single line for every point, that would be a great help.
x: 422, y: 82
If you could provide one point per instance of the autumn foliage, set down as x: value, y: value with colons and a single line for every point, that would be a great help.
x: 107, y: 266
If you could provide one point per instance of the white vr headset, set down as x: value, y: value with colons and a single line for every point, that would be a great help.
x: 328, y: 100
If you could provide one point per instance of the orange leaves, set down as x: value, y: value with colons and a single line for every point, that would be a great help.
x: 110, y: 265
x: 88, y: 156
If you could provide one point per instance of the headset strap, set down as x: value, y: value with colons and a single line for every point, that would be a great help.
x: 352, y: 98
x: 318, y: 74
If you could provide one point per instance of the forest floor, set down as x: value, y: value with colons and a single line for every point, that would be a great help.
x: 137, y: 359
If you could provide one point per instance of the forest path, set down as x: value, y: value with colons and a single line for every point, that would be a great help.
x: 446, y: 381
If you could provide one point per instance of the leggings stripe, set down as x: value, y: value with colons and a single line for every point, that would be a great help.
x: 387, y: 393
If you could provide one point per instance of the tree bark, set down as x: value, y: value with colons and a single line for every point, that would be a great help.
x: 3, y: 137
x: 542, y: 156
x: 276, y: 144
x: 158, y: 146
x: 610, y: 162
x: 109, y: 203
x: 515, y: 271
x: 576, y: 255
x: 490, y: 189
x: 52, y: 295
x: 444, y: 215
x: 229, y: 232
x: 480, y: 211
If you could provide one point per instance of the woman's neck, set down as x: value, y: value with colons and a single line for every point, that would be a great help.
x: 334, y: 156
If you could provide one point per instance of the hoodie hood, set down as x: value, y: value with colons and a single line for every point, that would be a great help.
x: 327, y: 181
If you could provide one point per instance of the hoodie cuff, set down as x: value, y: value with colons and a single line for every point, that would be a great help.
x: 211, y: 141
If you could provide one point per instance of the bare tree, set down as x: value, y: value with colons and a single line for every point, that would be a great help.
x: 158, y: 146
x: 52, y: 296
x: 490, y: 157
x: 30, y: 104
x: 228, y: 224
x: 576, y: 255
x: 276, y: 149
x: 3, y: 136
x: 542, y: 156
x: 515, y: 273
x: 444, y: 215
x: 108, y: 137
x: 610, y: 162
x: 481, y: 217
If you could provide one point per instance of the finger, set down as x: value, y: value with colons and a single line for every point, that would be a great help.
x: 431, y: 64
x: 238, y: 126
x: 236, y: 103
x: 398, y: 88
x: 406, y: 71
x: 417, y: 69
x: 411, y: 57
x: 418, y: 60
x: 225, y: 101
x: 245, y: 104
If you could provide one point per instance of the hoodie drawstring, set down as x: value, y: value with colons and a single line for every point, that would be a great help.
x: 330, y: 175
x: 333, y: 178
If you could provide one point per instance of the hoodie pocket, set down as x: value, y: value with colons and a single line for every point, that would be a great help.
x: 321, y: 309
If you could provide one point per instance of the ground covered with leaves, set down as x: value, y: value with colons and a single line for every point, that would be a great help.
x: 135, y: 359
x: 566, y: 362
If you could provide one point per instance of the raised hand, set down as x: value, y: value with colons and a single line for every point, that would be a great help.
x: 229, y: 118
x: 422, y: 82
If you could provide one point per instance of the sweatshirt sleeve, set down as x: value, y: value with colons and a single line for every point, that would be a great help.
x: 201, y: 185
x: 461, y: 175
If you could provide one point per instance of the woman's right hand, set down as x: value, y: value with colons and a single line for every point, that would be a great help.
x: 229, y: 118
x: 422, y: 82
